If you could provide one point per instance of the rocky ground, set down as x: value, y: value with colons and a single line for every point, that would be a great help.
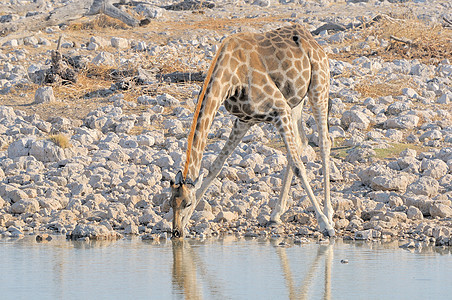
x: 93, y: 158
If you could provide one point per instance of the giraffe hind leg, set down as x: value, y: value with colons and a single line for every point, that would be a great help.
x: 285, y: 125
x: 299, y: 170
x: 281, y: 205
x: 319, y: 102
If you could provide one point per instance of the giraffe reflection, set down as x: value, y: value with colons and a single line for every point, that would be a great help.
x: 324, y: 251
x: 190, y: 274
x: 184, y: 270
x: 191, y: 277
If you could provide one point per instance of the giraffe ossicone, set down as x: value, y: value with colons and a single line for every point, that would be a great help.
x: 260, y: 77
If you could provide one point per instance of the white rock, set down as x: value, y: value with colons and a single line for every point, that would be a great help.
x: 20, y: 147
x: 44, y: 95
x: 47, y: 151
x: 425, y: 185
x: 31, y: 40
x: 434, y: 168
x: 422, y: 70
x: 102, y: 42
x: 226, y: 216
x: 92, y: 46
x: 120, y: 43
x: 410, y: 93
x: 25, y: 206
x: 445, y: 98
x: 364, y: 234
x: 409, y: 164
x: 151, y: 12
x: 398, y: 107
x: 104, y: 58
x: 390, y: 183
x: 166, y: 100
x: 173, y: 126
x: 402, y: 122
x: 164, y: 161
x: 7, y: 113
x: 15, y: 232
x: 360, y: 155
x: 354, y: 116
x: 131, y: 229
x: 414, y: 213
x: 95, y: 232
x: 261, y: 3
x: 11, y: 43
x: 440, y: 210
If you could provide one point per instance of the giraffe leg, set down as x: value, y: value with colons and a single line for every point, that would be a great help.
x: 320, y: 111
x: 325, y: 148
x: 285, y: 126
x: 238, y: 132
x: 318, y: 97
x: 281, y: 205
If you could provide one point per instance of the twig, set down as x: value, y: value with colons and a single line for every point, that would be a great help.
x: 328, y: 26
x: 447, y: 21
x: 59, y: 42
x: 401, y: 40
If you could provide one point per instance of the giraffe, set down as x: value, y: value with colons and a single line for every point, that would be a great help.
x: 260, y: 77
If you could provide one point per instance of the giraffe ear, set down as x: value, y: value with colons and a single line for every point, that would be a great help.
x: 179, y: 178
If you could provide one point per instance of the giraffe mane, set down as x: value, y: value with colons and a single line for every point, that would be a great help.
x: 198, y: 108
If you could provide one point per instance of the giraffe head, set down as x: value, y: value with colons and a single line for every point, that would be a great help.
x: 183, y: 202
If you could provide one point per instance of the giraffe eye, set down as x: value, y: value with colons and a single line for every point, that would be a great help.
x: 186, y: 204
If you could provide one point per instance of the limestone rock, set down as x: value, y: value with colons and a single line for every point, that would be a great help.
x: 226, y: 216
x: 425, y: 185
x: 414, y: 213
x: 93, y: 232
x: 104, y: 58
x: 440, y: 210
x: 25, y: 206
x: 119, y: 43
x: 389, y: 183
x: 402, y: 122
x: 44, y: 95
x: 20, y: 147
x: 434, y: 168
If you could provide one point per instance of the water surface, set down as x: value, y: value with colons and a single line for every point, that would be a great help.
x: 226, y: 268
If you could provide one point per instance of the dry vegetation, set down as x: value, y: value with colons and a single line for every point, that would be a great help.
x: 77, y: 99
x: 99, y: 22
x: 60, y: 140
x: 428, y: 43
x: 368, y: 87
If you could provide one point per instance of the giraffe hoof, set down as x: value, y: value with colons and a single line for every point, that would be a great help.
x: 330, y: 232
x: 273, y: 223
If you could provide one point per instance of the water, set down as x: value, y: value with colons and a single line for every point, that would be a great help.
x: 219, y: 269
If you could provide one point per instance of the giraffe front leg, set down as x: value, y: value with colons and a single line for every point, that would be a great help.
x: 281, y: 205
x: 238, y: 132
x: 285, y: 126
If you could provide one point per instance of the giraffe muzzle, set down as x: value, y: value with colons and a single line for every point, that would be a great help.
x: 176, y: 234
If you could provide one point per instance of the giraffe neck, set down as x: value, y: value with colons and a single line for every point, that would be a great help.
x: 205, y: 111
x: 198, y: 134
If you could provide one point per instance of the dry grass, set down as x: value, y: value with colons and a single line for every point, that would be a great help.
x: 397, y: 148
x: 340, y: 152
x: 429, y: 43
x: 369, y: 88
x: 60, y: 140
x: 99, y: 22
